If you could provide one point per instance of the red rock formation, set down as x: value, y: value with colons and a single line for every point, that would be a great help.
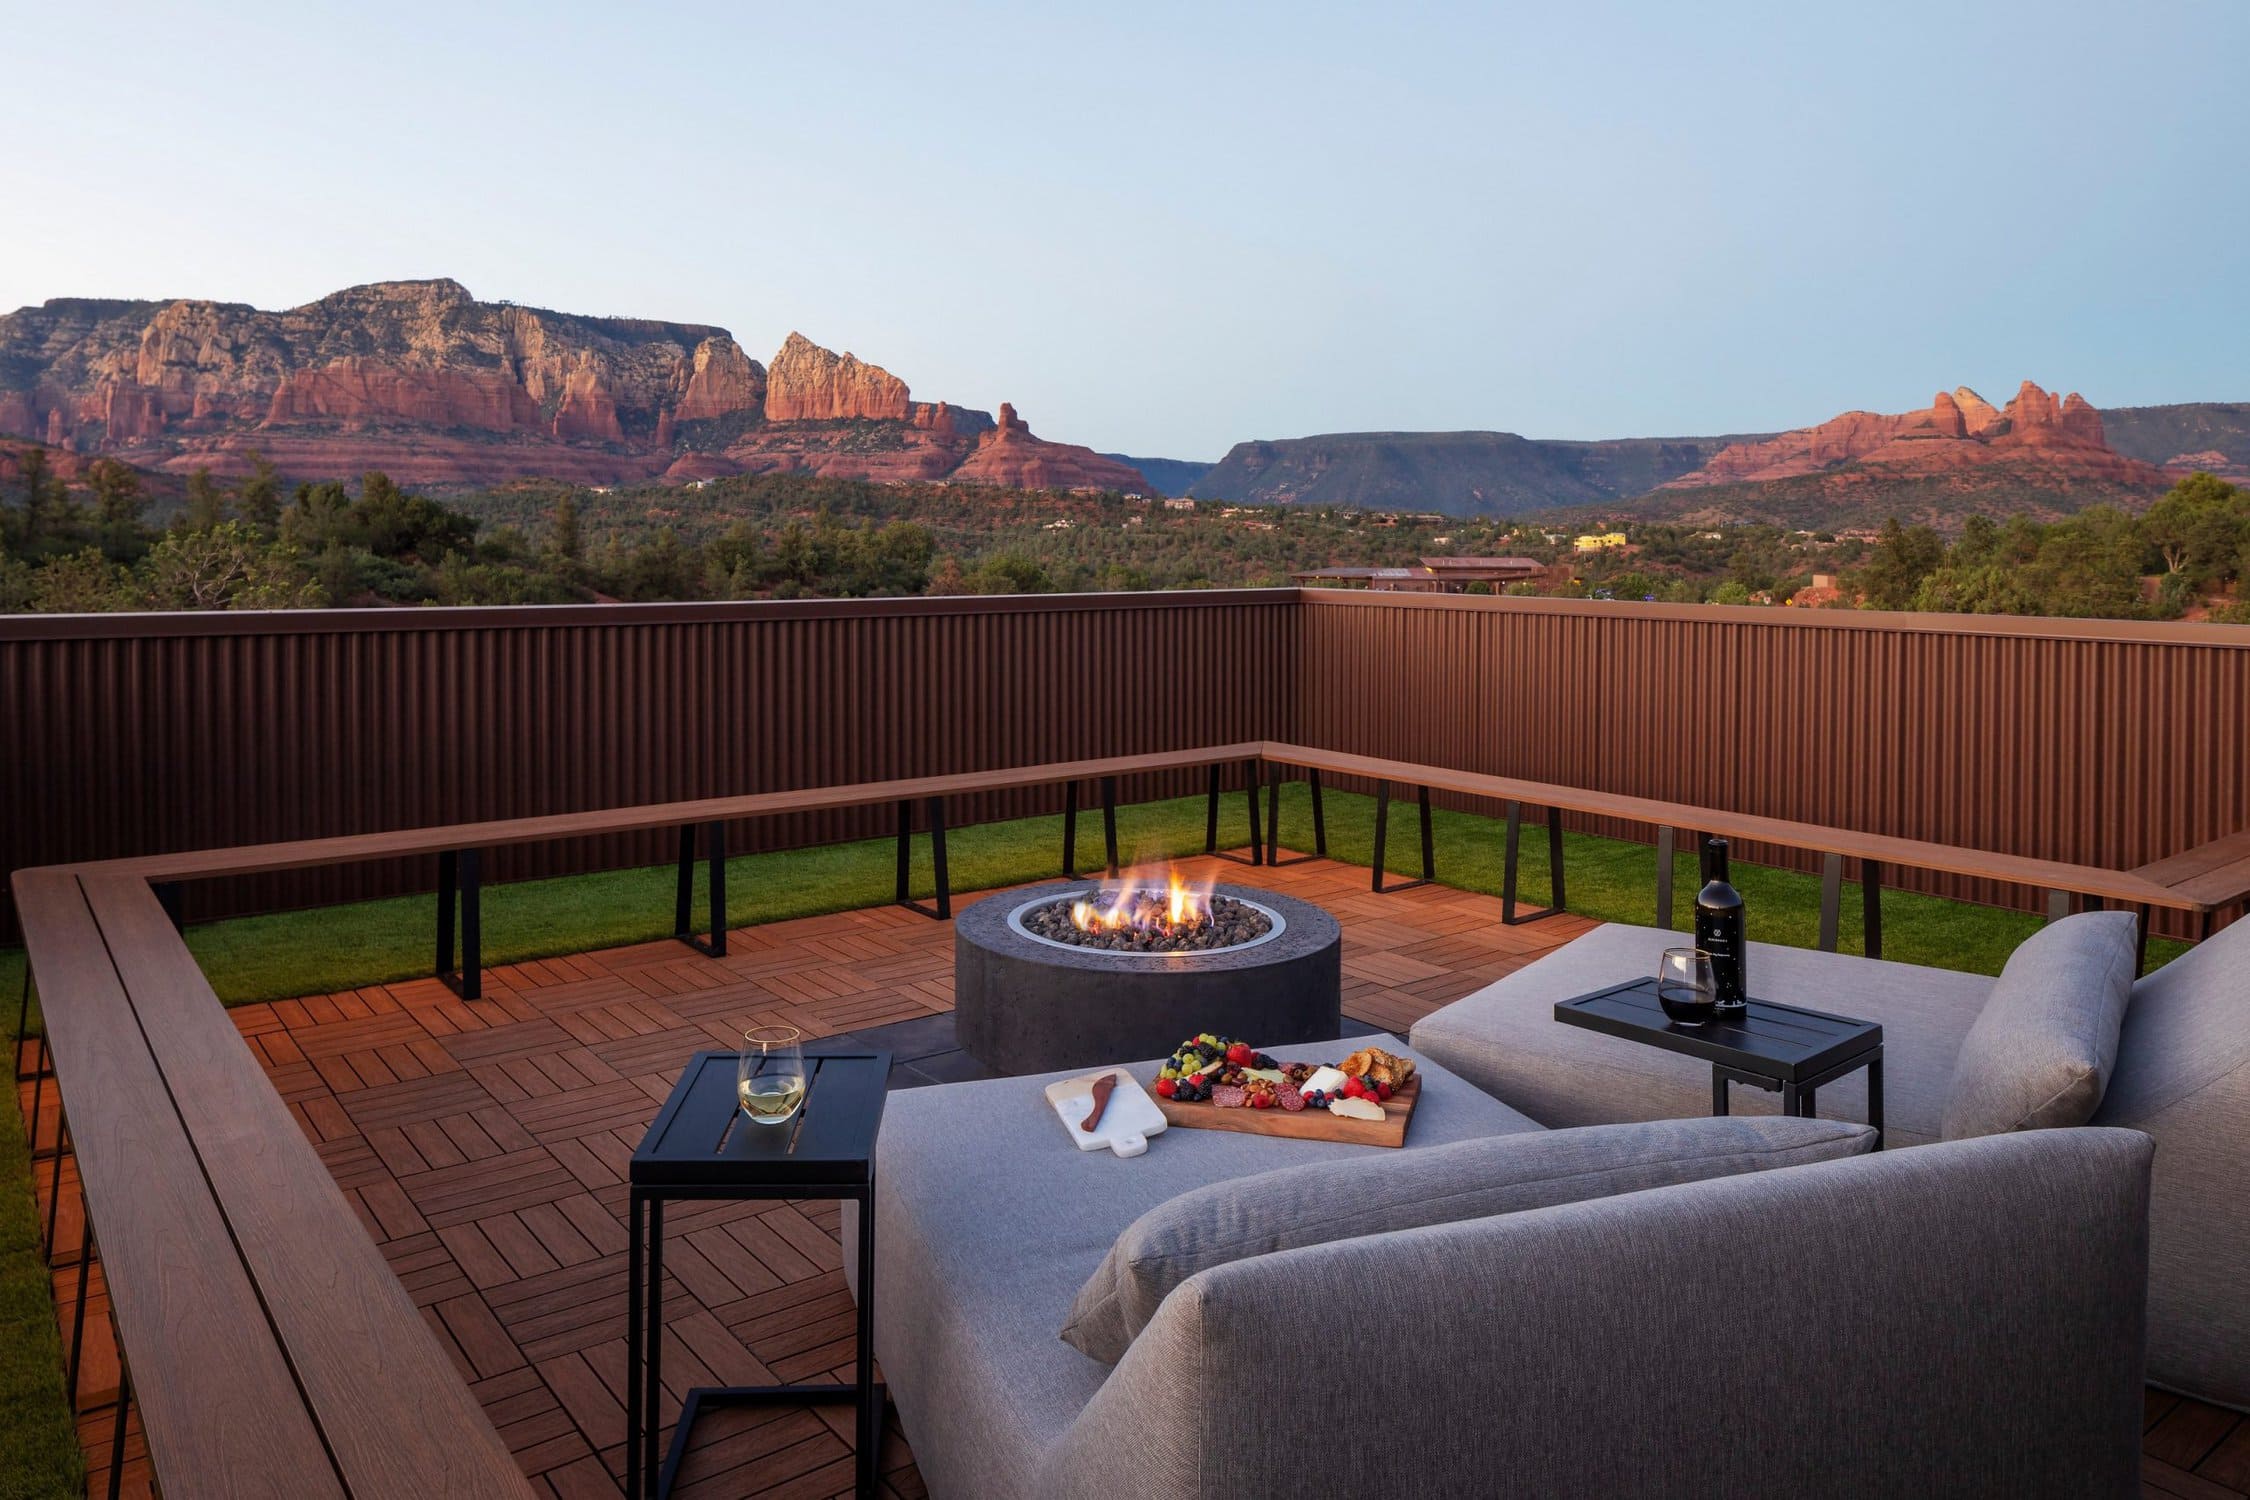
x: 1010, y: 456
x: 588, y: 412
x: 807, y: 383
x: 2049, y: 441
x: 722, y: 380
x: 357, y: 392
x: 424, y: 381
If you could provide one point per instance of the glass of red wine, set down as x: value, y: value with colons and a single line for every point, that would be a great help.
x: 1685, y: 987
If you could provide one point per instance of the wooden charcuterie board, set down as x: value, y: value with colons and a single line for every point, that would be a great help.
x: 1305, y: 1125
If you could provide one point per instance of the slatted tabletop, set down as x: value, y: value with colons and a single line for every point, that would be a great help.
x: 1784, y: 1042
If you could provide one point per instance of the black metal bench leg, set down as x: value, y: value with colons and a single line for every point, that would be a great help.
x: 1250, y: 795
x: 54, y: 1184
x: 1070, y: 830
x: 1871, y: 906
x: 1273, y: 815
x: 1211, y: 815
x: 1273, y: 822
x: 1509, y: 916
x: 459, y: 872
x: 2142, y: 916
x: 117, y: 1438
x: 935, y: 808
x: 170, y: 897
x: 683, y: 906
x: 1211, y: 822
x: 78, y: 1313
x: 1665, y: 849
x: 1382, y: 840
x: 1109, y: 822
x: 1831, y: 899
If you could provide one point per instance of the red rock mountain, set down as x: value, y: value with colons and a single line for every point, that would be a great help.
x: 2036, y: 437
x: 421, y: 379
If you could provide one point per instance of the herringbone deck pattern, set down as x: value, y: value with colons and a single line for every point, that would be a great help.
x: 484, y: 1145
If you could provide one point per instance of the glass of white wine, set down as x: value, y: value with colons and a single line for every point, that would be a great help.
x: 769, y: 1074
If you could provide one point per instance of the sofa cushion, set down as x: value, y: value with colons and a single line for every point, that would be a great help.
x: 1505, y: 1037
x: 2041, y: 1050
x: 1312, y: 1204
x: 988, y: 1221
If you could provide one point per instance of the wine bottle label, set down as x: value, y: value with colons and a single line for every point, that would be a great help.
x: 1719, y: 933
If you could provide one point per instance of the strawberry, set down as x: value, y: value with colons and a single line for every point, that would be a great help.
x: 1354, y: 1089
x: 1165, y: 1088
x: 1241, y: 1054
x: 1196, y: 1081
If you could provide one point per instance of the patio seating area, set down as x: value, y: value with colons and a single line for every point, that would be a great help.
x: 382, y: 1239
x: 482, y: 1144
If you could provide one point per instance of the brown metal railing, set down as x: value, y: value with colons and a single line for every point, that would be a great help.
x: 2088, y: 741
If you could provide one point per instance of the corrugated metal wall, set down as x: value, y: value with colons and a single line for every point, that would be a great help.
x: 2095, y: 741
x: 2101, y: 742
x: 127, y: 735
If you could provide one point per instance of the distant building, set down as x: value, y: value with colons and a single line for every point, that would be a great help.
x: 1179, y: 504
x: 1600, y: 541
x: 1433, y: 575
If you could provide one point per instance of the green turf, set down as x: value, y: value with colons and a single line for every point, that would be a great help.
x: 372, y: 942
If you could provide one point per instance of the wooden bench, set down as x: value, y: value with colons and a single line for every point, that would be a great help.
x: 1873, y: 851
x: 2214, y: 876
x: 459, y: 848
x: 265, y: 1342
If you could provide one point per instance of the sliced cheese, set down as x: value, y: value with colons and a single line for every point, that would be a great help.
x: 1356, y: 1109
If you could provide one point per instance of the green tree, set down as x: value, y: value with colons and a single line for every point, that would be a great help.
x: 228, y: 567
x: 1903, y: 558
x: 118, y: 503
x: 2198, y: 529
x: 1009, y: 573
x: 206, y: 506
x: 257, y: 499
x: 566, y: 542
x: 83, y: 582
x: 50, y: 516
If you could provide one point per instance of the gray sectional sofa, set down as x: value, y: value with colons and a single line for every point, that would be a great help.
x: 1963, y: 1319
x: 2180, y: 1072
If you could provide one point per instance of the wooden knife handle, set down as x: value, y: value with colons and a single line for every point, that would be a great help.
x: 1104, y: 1086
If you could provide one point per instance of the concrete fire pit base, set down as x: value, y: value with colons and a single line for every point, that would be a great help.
x: 1023, y: 1004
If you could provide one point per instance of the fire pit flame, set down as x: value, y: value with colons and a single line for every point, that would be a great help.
x: 1135, y: 907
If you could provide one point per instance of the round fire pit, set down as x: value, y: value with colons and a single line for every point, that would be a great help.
x: 1027, y: 1003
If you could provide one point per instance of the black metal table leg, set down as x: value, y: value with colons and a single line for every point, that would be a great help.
x: 1789, y: 1100
x: 1719, y: 1102
x: 652, y: 1335
x: 1875, y: 1097
x: 869, y: 1428
x: 636, y: 1478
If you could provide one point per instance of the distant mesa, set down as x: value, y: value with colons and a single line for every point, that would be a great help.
x: 422, y: 380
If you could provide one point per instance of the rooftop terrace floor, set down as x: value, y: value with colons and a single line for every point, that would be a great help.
x: 484, y: 1145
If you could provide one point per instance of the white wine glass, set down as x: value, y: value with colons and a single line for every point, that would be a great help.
x: 769, y: 1074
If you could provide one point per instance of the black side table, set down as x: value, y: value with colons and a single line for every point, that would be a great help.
x: 702, y: 1146
x: 1771, y: 1046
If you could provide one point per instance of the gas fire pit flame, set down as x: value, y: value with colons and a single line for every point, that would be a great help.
x: 1134, y: 907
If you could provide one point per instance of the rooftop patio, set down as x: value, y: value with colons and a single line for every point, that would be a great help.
x: 483, y: 1145
x: 479, y: 1129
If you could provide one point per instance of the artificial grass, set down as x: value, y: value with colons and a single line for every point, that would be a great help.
x: 286, y: 954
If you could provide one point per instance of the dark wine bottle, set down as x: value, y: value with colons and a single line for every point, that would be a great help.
x: 1718, y: 927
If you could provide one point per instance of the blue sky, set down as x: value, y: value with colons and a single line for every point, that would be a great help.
x: 1163, y: 229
